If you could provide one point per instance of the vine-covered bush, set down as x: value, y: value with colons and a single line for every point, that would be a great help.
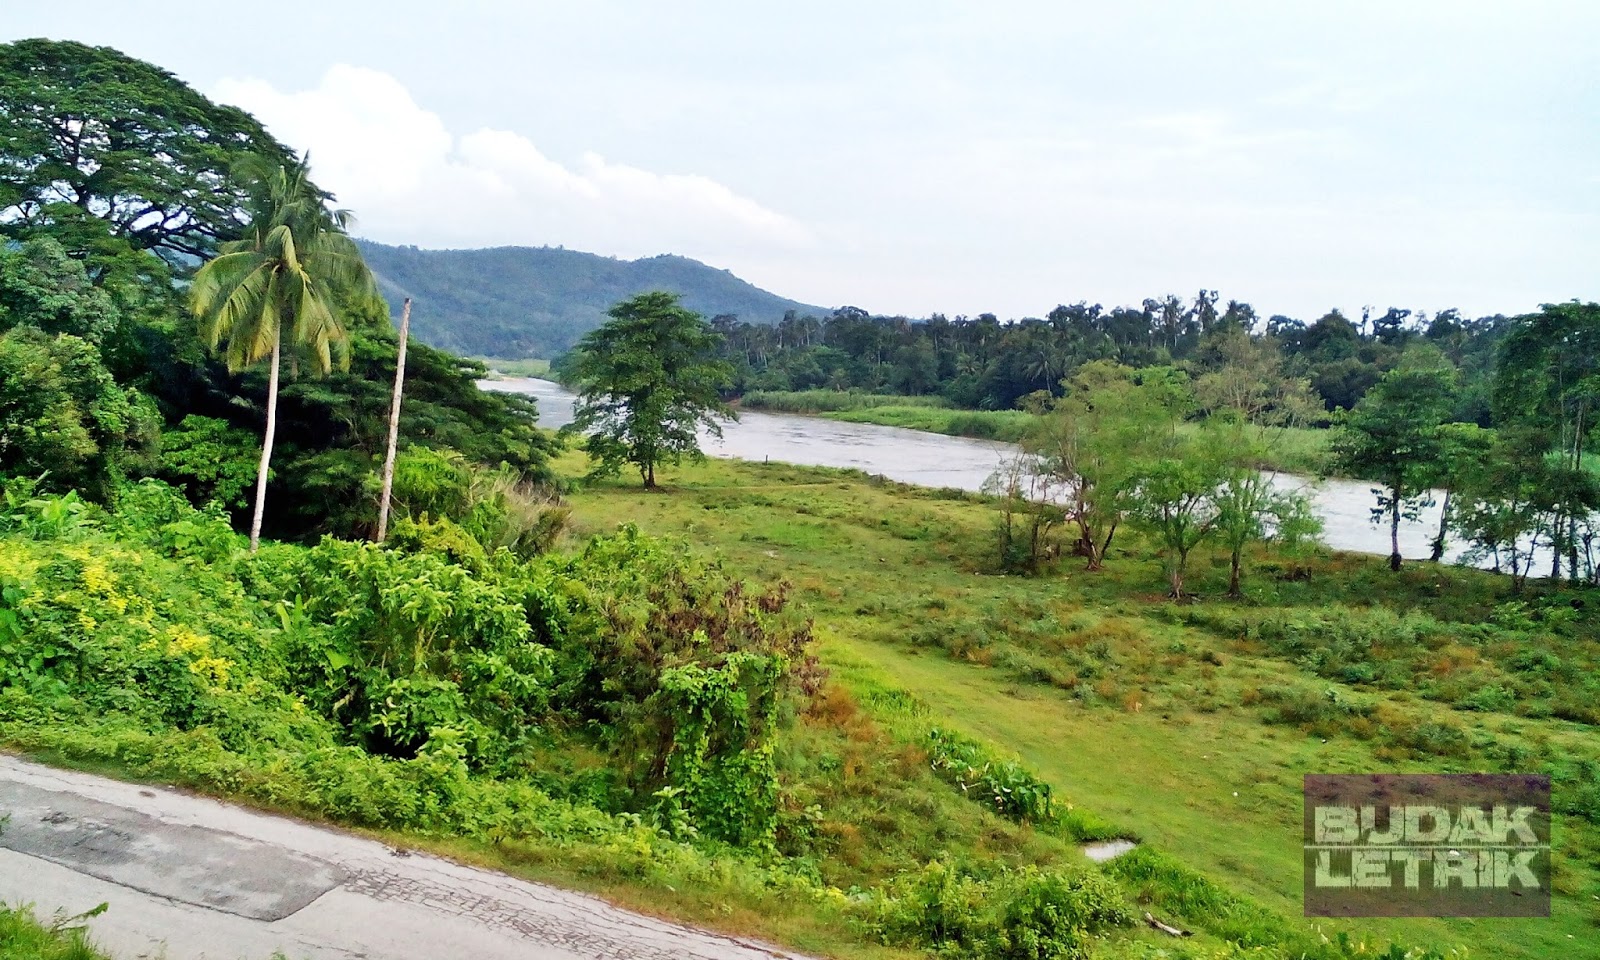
x: 441, y: 659
x: 1005, y: 785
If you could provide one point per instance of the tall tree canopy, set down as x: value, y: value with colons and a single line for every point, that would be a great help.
x: 99, y: 143
x: 647, y: 381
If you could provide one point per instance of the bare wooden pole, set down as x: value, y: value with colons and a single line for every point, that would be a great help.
x: 394, y: 422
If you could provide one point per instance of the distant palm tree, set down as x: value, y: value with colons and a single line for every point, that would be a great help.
x: 285, y: 276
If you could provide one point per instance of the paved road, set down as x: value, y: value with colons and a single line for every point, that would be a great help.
x: 187, y: 877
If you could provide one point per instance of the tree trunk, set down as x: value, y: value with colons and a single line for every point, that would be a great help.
x: 394, y: 422
x: 1394, y: 529
x: 1444, y: 518
x: 266, y: 443
x: 1177, y: 577
x: 1555, y: 548
x: 1233, y: 574
x: 650, y: 475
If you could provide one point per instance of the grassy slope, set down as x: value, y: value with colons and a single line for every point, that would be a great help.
x: 1160, y: 747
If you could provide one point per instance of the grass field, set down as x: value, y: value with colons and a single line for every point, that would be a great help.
x: 1180, y: 725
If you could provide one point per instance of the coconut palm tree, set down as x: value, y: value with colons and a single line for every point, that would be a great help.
x: 284, y: 279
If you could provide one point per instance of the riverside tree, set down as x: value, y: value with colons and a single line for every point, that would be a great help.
x: 647, y: 381
x: 1394, y: 437
x: 1096, y: 440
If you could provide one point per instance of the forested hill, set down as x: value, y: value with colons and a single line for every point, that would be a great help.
x: 537, y: 301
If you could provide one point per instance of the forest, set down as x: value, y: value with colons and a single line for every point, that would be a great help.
x: 982, y: 363
x: 801, y: 704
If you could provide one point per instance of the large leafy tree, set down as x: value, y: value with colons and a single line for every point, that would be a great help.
x: 1395, y: 437
x: 99, y: 147
x: 647, y: 381
x: 288, y: 276
x: 1548, y: 383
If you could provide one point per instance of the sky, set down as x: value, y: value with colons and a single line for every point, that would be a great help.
x: 949, y: 157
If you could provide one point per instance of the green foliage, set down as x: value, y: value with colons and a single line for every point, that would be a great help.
x: 23, y: 936
x: 1026, y: 915
x: 209, y: 460
x: 94, y: 133
x: 1005, y: 786
x: 1394, y: 437
x: 647, y: 381
x: 63, y: 418
x: 832, y: 401
x: 40, y: 286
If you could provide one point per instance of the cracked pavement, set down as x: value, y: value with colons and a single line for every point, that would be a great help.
x: 190, y: 877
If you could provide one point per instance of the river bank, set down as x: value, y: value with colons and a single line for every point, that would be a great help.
x: 936, y: 460
x: 1299, y: 450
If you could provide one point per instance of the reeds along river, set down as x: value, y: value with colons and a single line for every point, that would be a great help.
x: 935, y: 460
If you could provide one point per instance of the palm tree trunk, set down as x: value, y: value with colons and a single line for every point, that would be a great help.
x: 394, y: 422
x: 266, y: 443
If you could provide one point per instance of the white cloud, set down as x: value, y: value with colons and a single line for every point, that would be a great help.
x: 409, y: 179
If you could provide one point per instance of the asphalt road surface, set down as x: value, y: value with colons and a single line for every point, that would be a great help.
x: 186, y: 877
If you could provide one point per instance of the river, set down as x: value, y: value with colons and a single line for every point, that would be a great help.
x: 935, y: 460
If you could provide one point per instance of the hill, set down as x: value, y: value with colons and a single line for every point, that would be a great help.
x: 538, y: 301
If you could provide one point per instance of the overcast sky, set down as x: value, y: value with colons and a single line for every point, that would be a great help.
x: 943, y: 156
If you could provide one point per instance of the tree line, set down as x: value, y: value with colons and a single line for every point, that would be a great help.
x: 984, y: 363
x: 1129, y: 446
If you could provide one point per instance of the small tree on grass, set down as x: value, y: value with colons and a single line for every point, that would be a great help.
x: 1095, y: 441
x: 647, y: 381
x: 1394, y: 436
x: 1028, y: 498
x: 1173, y: 500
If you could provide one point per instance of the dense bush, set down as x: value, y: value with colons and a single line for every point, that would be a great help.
x: 1006, y: 786
x: 1023, y: 915
x: 420, y: 680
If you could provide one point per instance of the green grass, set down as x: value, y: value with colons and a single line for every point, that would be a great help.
x: 827, y: 401
x: 1008, y: 426
x: 1171, y: 729
x: 24, y: 937
x: 523, y: 367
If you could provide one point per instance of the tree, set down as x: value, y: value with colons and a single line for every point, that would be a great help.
x: 1548, y: 381
x: 1503, y: 502
x: 1095, y: 440
x: 40, y: 286
x: 63, y: 417
x: 647, y: 381
x: 93, y: 134
x: 1173, y: 498
x: 1394, y: 437
x: 1030, y: 510
x: 1249, y: 506
x: 288, y: 274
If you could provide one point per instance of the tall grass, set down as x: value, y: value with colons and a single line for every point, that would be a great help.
x: 830, y: 401
x: 1008, y: 426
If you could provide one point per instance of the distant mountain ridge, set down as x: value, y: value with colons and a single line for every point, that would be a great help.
x: 539, y: 301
